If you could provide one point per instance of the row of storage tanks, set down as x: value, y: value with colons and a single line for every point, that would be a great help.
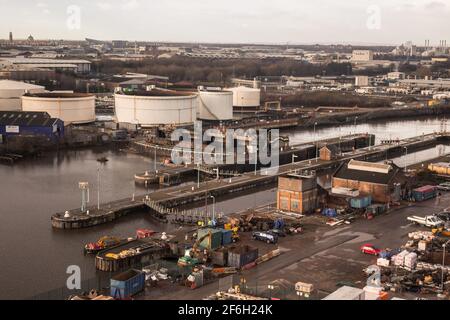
x: 76, y: 108
x: 146, y: 108
x: 155, y: 106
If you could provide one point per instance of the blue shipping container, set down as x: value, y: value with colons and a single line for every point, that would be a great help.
x: 361, y: 202
x: 328, y: 212
x: 127, y: 284
x: 227, y: 237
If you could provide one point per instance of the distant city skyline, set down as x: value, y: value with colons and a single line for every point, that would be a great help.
x: 381, y: 22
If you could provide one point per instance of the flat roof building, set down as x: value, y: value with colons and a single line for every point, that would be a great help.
x: 79, y: 66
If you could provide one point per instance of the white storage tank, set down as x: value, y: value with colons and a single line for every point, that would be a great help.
x: 156, y: 107
x: 12, y: 91
x: 246, y: 98
x: 72, y: 108
x: 215, y: 105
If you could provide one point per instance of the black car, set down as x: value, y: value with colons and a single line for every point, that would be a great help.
x: 265, y: 236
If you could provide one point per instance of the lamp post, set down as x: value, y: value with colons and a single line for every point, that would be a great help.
x: 98, y: 187
x: 154, y: 164
x: 198, y: 175
x: 315, y: 138
x: 256, y: 158
x: 443, y: 265
x: 214, y: 208
x: 406, y: 155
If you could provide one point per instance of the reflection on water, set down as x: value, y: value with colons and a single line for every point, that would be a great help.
x: 34, y: 257
x: 382, y: 130
x: 421, y: 156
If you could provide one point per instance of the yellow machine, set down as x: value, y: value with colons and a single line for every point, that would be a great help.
x: 441, y: 232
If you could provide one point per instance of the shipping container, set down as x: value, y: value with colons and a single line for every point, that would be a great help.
x: 346, y: 293
x: 220, y: 257
x: 212, y: 243
x: 241, y: 256
x: 227, y: 237
x: 376, y: 209
x: 361, y: 202
x: 424, y: 193
x: 127, y: 284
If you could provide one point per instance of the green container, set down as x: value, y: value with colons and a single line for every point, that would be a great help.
x: 216, y: 238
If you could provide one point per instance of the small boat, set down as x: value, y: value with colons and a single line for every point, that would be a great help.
x: 102, y: 244
x: 103, y: 159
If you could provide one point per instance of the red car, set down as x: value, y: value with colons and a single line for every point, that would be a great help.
x: 370, y: 249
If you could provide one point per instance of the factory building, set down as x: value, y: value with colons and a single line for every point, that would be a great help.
x: 361, y: 81
x: 17, y: 123
x: 156, y: 107
x: 12, y: 91
x: 379, y: 180
x: 246, y: 99
x: 78, y: 66
x: 72, y: 108
x: 215, y: 105
x: 297, y: 193
x: 362, y: 55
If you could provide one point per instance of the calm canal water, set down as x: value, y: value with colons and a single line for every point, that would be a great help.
x: 34, y: 257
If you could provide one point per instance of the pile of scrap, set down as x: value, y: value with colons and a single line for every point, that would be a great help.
x: 418, y: 267
x: 264, y: 221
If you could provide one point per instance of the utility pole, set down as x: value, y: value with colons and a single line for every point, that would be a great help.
x: 317, y: 143
x: 98, y: 187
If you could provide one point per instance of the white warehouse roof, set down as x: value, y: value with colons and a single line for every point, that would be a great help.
x: 18, y: 85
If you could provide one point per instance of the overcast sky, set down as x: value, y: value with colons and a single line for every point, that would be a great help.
x: 243, y: 21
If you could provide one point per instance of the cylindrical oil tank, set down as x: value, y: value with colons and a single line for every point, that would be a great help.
x: 244, y: 97
x: 12, y: 91
x: 156, y: 107
x: 215, y: 105
x: 72, y: 108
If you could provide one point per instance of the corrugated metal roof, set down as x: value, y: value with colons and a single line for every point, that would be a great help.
x: 347, y: 173
x: 19, y: 118
x: 17, y: 85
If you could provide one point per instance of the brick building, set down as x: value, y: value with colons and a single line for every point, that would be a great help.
x: 381, y: 181
x: 297, y: 192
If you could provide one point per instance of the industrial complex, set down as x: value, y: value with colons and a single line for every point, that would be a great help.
x: 225, y: 172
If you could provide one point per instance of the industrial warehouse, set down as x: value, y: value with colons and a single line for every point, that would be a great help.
x: 264, y: 160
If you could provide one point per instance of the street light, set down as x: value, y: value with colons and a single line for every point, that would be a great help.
x: 315, y: 138
x: 198, y: 175
x: 406, y: 155
x: 443, y: 264
x: 214, y: 208
x: 98, y: 187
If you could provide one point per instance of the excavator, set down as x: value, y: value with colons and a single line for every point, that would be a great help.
x: 102, y: 244
x: 191, y: 258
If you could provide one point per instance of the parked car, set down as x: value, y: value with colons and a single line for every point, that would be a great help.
x: 265, y: 236
x: 370, y: 249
